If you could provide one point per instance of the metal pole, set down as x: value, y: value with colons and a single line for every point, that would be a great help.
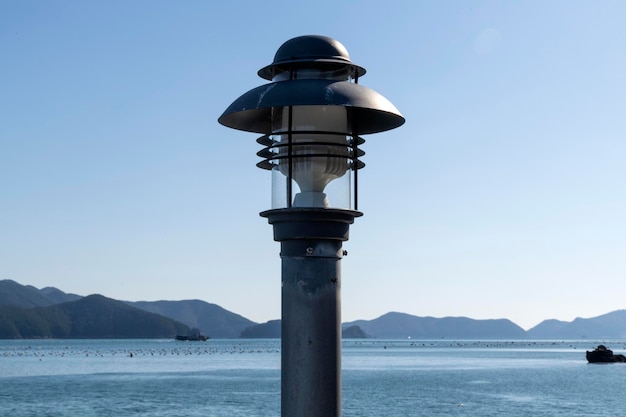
x: 311, y: 255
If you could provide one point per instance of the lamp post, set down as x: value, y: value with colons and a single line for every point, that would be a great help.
x: 311, y: 115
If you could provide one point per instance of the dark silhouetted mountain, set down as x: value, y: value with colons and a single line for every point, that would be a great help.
x: 211, y: 319
x: 92, y: 317
x: 608, y: 326
x: 401, y: 326
x: 26, y: 311
x: 13, y: 294
x: 269, y: 330
x: 353, y: 332
x: 57, y: 296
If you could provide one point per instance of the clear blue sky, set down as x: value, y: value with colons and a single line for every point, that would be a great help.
x: 503, y: 195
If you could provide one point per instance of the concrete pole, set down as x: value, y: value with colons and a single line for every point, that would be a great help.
x: 311, y: 255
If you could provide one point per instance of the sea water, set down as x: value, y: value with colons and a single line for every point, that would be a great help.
x: 391, y: 378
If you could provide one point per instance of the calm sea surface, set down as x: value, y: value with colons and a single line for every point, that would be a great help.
x: 242, y: 378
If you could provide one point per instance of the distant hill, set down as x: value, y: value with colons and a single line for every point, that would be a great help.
x: 272, y: 330
x: 13, y: 294
x: 211, y: 319
x: 269, y: 330
x: 353, y: 332
x: 57, y: 296
x: 26, y: 311
x: 610, y: 325
x: 92, y: 317
x: 549, y: 329
x: 401, y: 326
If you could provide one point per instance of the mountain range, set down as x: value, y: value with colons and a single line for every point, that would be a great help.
x: 92, y: 317
x: 28, y: 312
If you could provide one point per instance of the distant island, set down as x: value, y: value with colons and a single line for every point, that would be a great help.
x: 27, y: 312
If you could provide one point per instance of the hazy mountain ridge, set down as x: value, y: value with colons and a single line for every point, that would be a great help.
x: 211, y: 319
x: 395, y: 325
x: 606, y: 326
x: 26, y: 311
x: 268, y: 330
x: 13, y: 294
x: 272, y: 330
x: 57, y: 296
x: 92, y: 317
x: 19, y: 319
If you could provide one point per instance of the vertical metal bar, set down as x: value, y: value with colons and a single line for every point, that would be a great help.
x: 355, y: 163
x: 290, y: 159
x: 355, y: 155
x: 355, y: 149
x: 290, y: 150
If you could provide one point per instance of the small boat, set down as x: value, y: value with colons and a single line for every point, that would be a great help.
x: 193, y: 336
x: 603, y: 355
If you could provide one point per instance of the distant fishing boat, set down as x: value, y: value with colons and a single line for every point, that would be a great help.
x: 194, y: 336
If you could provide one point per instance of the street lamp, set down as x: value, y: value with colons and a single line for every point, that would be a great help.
x: 311, y: 116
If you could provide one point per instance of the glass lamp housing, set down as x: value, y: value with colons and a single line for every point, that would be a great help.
x: 311, y: 115
x: 311, y: 149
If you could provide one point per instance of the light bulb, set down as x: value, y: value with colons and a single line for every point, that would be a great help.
x: 317, y: 158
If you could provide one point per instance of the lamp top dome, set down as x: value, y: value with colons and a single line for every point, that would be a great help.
x: 310, y: 51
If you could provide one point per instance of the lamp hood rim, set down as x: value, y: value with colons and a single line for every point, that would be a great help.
x: 371, y: 112
x: 268, y: 72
